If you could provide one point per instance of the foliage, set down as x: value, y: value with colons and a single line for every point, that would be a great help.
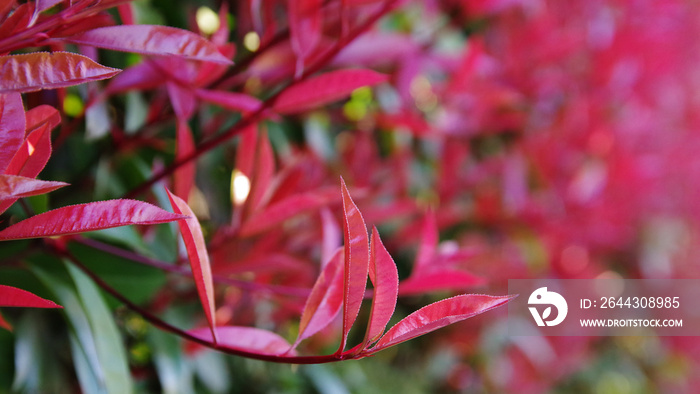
x: 484, y: 140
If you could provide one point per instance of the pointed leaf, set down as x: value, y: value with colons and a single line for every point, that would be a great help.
x: 385, y: 279
x: 438, y: 315
x: 92, y: 216
x: 151, y: 40
x: 182, y: 100
x: 199, y: 258
x: 41, y: 114
x: 356, y: 262
x: 12, y: 296
x: 264, y: 170
x: 5, y: 324
x: 33, y: 154
x: 324, y: 89
x: 229, y: 100
x: 250, y: 339
x: 12, y: 125
x: 13, y: 186
x: 275, y: 214
x: 325, y: 300
x: 44, y: 70
x: 304, y: 28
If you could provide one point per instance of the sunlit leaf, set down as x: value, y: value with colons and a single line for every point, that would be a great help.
x: 437, y: 315
x: 199, y: 258
x: 44, y: 70
x: 88, y: 217
x: 151, y: 40
x: 324, y: 89
x: 356, y: 262
x: 13, y: 186
x: 249, y: 339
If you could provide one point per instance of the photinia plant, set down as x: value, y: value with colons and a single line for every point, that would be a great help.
x: 204, y: 101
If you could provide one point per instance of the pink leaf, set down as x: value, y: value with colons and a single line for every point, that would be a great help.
x: 151, y: 40
x: 12, y: 296
x: 324, y: 89
x: 229, y: 100
x: 92, y: 216
x: 182, y: 100
x: 33, y: 155
x: 184, y: 176
x: 438, y: 315
x: 263, y: 171
x: 277, y: 213
x: 43, y: 5
x: 13, y: 186
x: 385, y: 278
x: 41, y: 114
x: 356, y: 262
x: 428, y: 244
x: 43, y: 70
x: 142, y: 76
x: 325, y: 300
x: 199, y: 259
x: 449, y: 279
x: 12, y: 125
x: 304, y: 28
x: 248, y: 339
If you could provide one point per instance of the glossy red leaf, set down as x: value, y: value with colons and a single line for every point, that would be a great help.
x: 12, y: 126
x: 41, y: 114
x: 92, y: 216
x: 324, y: 89
x: 151, y: 40
x: 438, y: 315
x: 356, y: 262
x: 273, y: 215
x: 12, y: 296
x: 248, y: 339
x: 13, y: 186
x: 33, y: 155
x: 448, y: 279
x: 44, y: 70
x: 325, y: 301
x: 385, y: 279
x: 230, y: 100
x: 199, y: 258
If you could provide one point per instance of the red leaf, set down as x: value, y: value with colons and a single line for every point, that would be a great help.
x: 199, y: 259
x: 184, y: 176
x: 151, y: 40
x: 33, y: 155
x: 43, y: 5
x: 304, y: 28
x: 264, y: 171
x: 385, y: 278
x: 92, y: 216
x: 5, y: 324
x: 43, y: 70
x: 140, y: 76
x: 229, y: 100
x: 428, y: 244
x: 245, y: 150
x: 356, y: 262
x: 41, y: 114
x: 182, y: 100
x: 248, y: 339
x: 12, y: 296
x: 324, y: 89
x: 440, y: 280
x: 438, y: 315
x: 13, y: 186
x: 12, y: 125
x: 325, y: 300
x: 277, y: 213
